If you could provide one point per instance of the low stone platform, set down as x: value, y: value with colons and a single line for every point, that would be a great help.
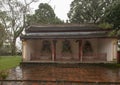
x: 71, y: 72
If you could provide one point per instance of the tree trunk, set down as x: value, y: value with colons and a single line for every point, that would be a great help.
x: 13, y: 47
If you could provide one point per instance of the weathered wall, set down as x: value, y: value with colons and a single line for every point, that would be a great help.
x: 102, y: 46
x: 32, y: 49
x: 27, y: 48
x: 108, y: 46
x: 74, y: 48
x: 93, y: 43
x: 37, y: 52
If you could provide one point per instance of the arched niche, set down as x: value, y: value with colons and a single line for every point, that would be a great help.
x: 87, y: 47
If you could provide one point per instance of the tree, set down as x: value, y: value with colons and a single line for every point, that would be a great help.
x: 13, y: 17
x: 112, y: 16
x: 44, y: 15
x: 2, y: 35
x: 3, y: 38
x: 88, y: 11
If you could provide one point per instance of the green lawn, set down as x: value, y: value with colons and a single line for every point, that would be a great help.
x: 7, y: 62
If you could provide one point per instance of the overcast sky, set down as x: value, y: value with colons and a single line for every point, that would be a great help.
x: 61, y: 7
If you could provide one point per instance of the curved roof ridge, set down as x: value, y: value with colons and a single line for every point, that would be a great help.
x: 62, y: 25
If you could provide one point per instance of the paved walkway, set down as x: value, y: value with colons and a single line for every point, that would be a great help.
x: 82, y: 72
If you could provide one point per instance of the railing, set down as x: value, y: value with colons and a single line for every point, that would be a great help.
x: 57, y: 82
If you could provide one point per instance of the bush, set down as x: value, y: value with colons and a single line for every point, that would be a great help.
x: 3, y: 75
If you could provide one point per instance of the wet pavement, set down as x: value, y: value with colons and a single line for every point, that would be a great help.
x: 72, y: 72
x: 15, y: 74
x: 64, y: 72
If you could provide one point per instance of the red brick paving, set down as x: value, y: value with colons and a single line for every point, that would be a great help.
x: 89, y: 73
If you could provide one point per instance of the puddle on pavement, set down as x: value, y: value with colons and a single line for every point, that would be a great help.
x: 79, y: 73
x: 15, y: 73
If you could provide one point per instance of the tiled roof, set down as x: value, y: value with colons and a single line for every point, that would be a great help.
x: 62, y: 28
x: 65, y: 31
x: 65, y: 35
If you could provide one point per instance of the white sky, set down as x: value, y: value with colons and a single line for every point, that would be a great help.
x: 61, y: 7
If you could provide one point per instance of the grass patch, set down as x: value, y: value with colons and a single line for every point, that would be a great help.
x: 8, y: 62
x: 111, y: 65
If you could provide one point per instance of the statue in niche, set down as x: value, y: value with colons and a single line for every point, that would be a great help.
x: 66, y: 46
x: 46, y: 46
x: 87, y: 48
x: 66, y: 50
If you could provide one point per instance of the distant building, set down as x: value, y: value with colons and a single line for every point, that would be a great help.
x: 68, y: 43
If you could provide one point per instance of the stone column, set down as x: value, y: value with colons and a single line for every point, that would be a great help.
x: 23, y: 50
x: 54, y: 50
x: 80, y: 49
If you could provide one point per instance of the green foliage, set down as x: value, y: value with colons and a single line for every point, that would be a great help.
x: 2, y: 35
x: 88, y: 11
x: 57, y: 21
x: 105, y: 25
x: 112, y: 16
x: 5, y: 49
x: 13, y: 17
x: 44, y: 15
x: 107, y: 65
x: 112, y: 33
x: 7, y: 62
x: 3, y: 74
